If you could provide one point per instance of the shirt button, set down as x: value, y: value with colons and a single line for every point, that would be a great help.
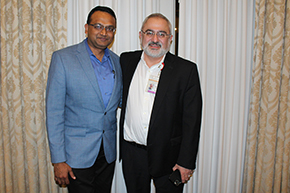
x: 105, y: 113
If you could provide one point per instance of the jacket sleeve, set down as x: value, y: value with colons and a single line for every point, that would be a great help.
x: 55, y: 105
x: 191, y: 121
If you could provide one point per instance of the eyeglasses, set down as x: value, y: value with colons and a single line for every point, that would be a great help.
x: 151, y: 34
x: 100, y: 27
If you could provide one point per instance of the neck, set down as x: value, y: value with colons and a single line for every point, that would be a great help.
x: 99, y: 53
x: 150, y: 61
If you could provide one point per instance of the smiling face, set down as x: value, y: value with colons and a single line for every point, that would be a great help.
x: 155, y: 46
x: 100, y: 39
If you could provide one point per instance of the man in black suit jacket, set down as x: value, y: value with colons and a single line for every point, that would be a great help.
x: 161, y: 114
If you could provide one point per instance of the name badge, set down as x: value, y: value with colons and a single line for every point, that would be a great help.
x: 152, y: 84
x: 153, y: 81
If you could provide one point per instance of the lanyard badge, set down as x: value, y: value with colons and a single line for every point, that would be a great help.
x: 153, y: 81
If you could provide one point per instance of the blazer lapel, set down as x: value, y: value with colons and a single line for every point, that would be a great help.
x: 163, y: 85
x: 129, y: 71
x: 114, y: 62
x: 85, y: 62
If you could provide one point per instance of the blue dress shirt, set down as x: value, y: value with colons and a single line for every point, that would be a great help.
x: 104, y: 72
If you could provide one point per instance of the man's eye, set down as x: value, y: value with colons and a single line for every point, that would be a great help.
x: 150, y: 33
x: 110, y: 28
x: 98, y: 26
x: 161, y: 34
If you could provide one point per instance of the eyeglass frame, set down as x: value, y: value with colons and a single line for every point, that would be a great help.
x: 95, y: 25
x: 155, y: 33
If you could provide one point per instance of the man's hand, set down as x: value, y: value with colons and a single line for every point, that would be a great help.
x: 185, y: 173
x: 61, y: 171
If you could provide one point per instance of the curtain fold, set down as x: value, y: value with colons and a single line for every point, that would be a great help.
x: 30, y: 31
x: 217, y: 35
x: 268, y: 139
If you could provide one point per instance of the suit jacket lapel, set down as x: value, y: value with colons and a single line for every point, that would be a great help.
x: 128, y: 74
x: 163, y: 85
x: 85, y: 62
x: 114, y: 62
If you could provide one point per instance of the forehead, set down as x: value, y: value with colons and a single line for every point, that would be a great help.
x: 156, y: 24
x: 103, y: 18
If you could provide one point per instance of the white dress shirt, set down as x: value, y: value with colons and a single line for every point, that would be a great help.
x: 140, y: 101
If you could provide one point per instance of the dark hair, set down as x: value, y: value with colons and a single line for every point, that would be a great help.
x: 103, y: 9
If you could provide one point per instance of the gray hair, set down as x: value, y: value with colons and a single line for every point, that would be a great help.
x: 157, y: 15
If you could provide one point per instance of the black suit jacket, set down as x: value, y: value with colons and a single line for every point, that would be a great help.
x: 175, y: 121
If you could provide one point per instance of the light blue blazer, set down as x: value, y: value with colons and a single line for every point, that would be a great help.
x: 76, y: 118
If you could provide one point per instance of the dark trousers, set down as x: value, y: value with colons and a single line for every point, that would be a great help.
x: 96, y: 179
x: 136, y: 172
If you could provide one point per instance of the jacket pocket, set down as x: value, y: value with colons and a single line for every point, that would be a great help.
x: 78, y: 132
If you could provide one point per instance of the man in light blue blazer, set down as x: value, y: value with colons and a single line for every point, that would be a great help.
x: 84, y: 90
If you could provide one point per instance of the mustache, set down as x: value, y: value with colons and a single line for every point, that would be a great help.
x: 155, y: 43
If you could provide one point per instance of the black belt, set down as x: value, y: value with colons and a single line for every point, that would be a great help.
x: 137, y: 145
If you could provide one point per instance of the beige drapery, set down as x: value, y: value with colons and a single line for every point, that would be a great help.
x: 268, y: 140
x: 30, y: 31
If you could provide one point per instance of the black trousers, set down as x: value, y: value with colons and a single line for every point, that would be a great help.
x: 136, y: 172
x: 96, y: 179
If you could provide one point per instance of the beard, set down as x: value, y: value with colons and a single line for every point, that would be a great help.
x: 155, y: 53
